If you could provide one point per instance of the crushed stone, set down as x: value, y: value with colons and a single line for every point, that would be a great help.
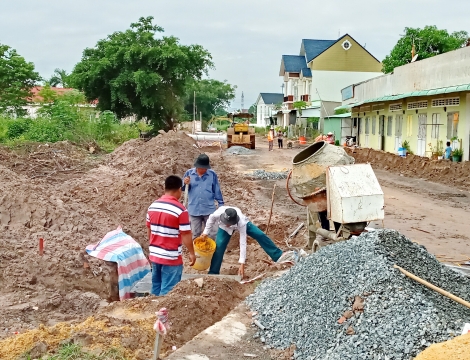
x: 268, y: 175
x: 398, y: 317
x: 239, y: 150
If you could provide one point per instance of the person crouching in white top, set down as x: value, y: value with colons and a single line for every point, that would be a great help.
x: 228, y: 219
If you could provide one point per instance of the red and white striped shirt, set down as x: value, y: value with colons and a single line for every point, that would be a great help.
x: 167, y: 218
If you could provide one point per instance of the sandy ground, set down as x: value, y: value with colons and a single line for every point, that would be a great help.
x: 52, y: 194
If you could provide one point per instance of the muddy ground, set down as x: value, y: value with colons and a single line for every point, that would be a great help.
x: 72, y: 198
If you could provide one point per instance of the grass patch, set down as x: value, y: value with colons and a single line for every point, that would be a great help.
x: 75, y: 352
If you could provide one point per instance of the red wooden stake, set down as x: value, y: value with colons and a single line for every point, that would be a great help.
x: 41, y: 246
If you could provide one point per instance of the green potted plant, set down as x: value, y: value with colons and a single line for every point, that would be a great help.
x: 457, y: 155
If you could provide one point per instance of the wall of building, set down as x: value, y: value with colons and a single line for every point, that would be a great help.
x: 410, y: 129
x: 449, y: 69
x: 356, y: 59
x: 330, y: 83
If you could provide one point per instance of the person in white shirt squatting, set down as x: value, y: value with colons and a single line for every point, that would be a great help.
x: 228, y: 219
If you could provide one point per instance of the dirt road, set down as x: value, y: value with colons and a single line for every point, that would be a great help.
x: 431, y: 214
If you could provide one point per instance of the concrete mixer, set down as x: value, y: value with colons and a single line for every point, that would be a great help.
x: 328, y: 182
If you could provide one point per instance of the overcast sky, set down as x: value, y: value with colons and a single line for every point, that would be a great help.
x: 246, y: 37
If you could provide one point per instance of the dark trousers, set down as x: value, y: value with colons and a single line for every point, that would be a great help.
x: 325, y: 223
x: 222, y: 239
x: 279, y: 143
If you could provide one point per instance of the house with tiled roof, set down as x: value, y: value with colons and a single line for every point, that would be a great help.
x: 36, y: 100
x: 320, y: 71
x: 266, y: 106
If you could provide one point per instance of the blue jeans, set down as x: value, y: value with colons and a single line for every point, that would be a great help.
x: 165, y: 277
x: 253, y: 231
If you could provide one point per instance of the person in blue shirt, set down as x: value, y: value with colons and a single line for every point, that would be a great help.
x: 203, y: 192
x: 448, y: 151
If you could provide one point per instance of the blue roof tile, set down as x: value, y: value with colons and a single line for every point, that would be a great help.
x: 294, y: 63
x: 312, y: 48
x: 272, y: 98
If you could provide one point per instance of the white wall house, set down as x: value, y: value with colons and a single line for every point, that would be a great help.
x: 265, y: 107
x: 321, y: 70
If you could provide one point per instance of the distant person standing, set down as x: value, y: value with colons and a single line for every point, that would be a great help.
x: 271, y: 138
x: 168, y: 229
x: 448, y: 151
x: 203, y: 192
x: 280, y: 137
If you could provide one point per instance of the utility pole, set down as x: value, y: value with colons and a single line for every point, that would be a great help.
x: 243, y: 102
x: 194, y: 112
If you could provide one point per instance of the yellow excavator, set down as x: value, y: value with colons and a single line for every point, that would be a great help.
x: 240, y: 133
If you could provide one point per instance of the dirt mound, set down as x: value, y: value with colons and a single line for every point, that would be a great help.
x: 53, y: 162
x: 441, y: 171
x: 80, y: 209
x: 455, y: 349
x: 129, y: 324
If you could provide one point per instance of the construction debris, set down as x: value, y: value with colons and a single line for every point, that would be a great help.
x: 267, y: 175
x: 239, y: 150
x: 394, y: 317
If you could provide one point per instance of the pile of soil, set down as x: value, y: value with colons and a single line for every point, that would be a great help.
x: 71, y: 210
x: 441, y: 171
x: 455, y: 349
x: 129, y: 324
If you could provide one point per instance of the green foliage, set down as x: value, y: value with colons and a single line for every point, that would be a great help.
x: 299, y: 106
x: 211, y: 96
x: 457, y: 152
x: 406, y: 145
x: 429, y: 41
x: 342, y: 111
x: 60, y: 77
x: 17, y: 78
x: 133, y: 72
x: 75, y: 352
x: 17, y: 128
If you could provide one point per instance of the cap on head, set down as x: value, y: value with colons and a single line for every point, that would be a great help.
x: 330, y: 133
x: 230, y: 217
x: 202, y: 162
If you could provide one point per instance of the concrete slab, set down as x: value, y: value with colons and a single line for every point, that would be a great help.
x: 229, y: 339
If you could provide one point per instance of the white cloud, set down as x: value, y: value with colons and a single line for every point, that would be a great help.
x: 245, y: 37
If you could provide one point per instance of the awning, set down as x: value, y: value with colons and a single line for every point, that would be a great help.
x: 339, y: 116
x: 445, y: 90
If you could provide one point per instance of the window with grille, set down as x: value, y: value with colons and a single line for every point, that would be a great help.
x: 396, y: 107
x: 374, y: 124
x: 409, y: 125
x: 378, y: 107
x: 364, y: 108
x: 446, y: 102
x: 435, y: 126
x: 422, y: 119
x: 389, y: 125
x: 452, y: 125
x: 417, y: 105
x: 399, y: 125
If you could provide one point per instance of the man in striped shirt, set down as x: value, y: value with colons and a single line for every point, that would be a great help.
x: 168, y: 229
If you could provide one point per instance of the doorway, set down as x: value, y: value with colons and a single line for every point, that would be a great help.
x: 398, y: 131
x: 421, y: 148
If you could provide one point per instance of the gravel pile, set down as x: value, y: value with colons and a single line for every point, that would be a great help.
x: 267, y: 175
x: 239, y: 150
x: 348, y: 302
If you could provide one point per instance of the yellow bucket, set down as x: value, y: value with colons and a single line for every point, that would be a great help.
x: 204, y: 250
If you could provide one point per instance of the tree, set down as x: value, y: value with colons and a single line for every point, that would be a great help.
x: 211, y: 96
x: 428, y: 42
x: 17, y: 78
x: 135, y: 73
x: 60, y: 77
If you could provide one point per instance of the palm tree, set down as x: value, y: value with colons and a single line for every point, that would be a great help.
x: 60, y: 77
